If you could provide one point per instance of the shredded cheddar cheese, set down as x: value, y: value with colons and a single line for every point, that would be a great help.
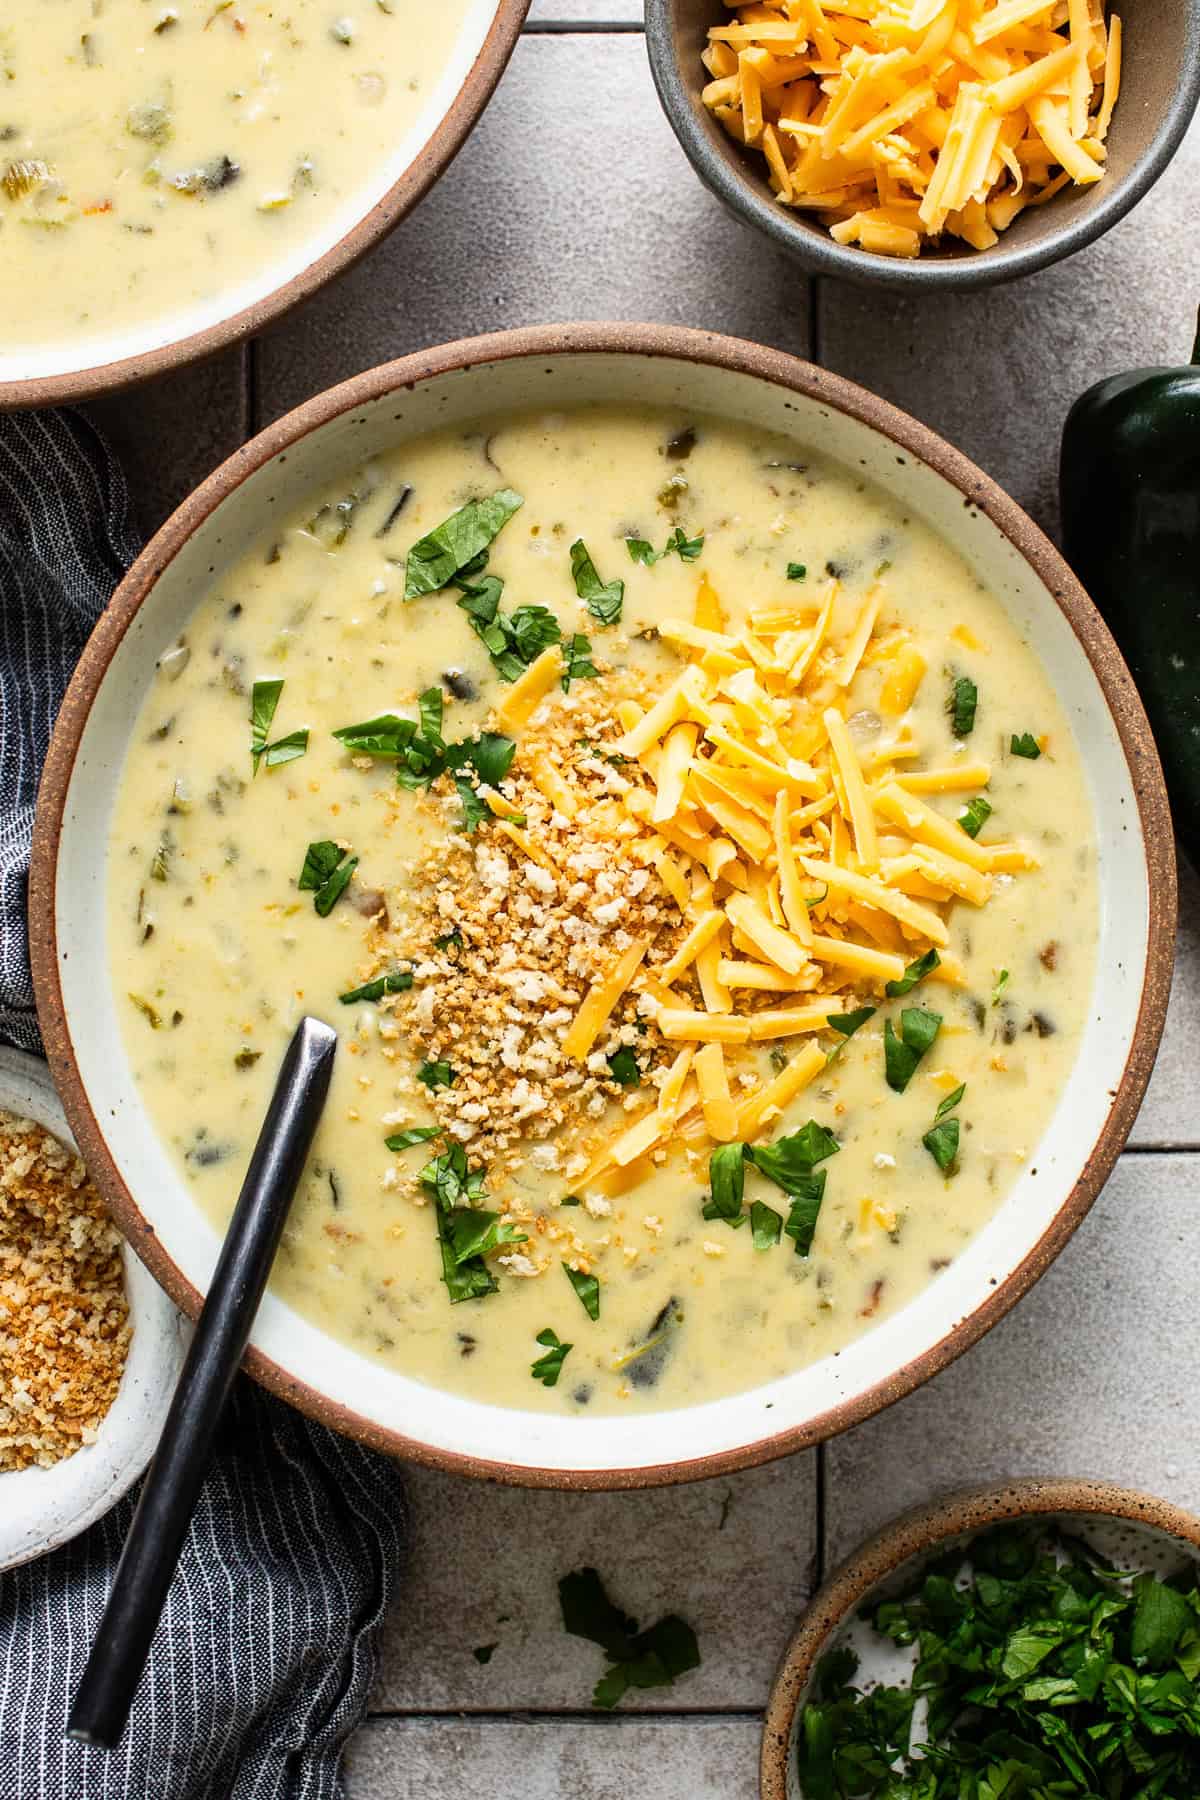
x: 790, y: 863
x: 901, y: 122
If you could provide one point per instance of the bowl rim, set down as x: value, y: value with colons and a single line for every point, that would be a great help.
x: 431, y: 161
x: 918, y: 1532
x: 963, y: 270
x: 686, y: 344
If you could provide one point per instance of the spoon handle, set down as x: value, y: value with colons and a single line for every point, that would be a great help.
x: 176, y: 1474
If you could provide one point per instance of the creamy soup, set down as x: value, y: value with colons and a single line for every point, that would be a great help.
x: 156, y: 152
x: 667, y: 748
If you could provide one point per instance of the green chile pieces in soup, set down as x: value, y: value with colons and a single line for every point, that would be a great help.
x: 483, y: 1257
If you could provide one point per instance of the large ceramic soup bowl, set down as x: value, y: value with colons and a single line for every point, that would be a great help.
x: 173, y: 179
x: 961, y: 1125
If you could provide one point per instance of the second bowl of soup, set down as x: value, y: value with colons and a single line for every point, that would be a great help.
x: 717, y: 827
x: 174, y: 176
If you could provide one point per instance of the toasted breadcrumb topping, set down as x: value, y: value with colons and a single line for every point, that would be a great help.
x: 64, y: 1317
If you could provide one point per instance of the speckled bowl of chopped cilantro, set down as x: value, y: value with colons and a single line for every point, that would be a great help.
x: 1036, y: 1641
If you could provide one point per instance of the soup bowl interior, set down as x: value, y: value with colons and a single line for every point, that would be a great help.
x: 1160, y: 85
x: 557, y: 368
x: 1128, y: 1530
x: 109, y: 354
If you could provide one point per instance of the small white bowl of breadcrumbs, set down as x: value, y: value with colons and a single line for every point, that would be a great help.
x: 90, y: 1346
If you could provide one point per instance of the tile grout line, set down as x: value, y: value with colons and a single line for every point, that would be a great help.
x: 581, y: 27
x: 525, y: 1715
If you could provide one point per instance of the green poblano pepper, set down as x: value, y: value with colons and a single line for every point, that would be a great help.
x: 1130, y: 487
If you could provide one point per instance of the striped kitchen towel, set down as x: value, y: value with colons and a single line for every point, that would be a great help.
x: 265, y: 1654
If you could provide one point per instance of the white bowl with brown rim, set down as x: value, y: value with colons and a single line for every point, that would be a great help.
x: 559, y: 366
x: 112, y: 354
x: 41, y: 1508
x: 1130, y: 1530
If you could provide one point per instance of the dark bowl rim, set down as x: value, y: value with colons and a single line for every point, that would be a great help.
x: 777, y: 368
x: 916, y: 1533
x: 431, y: 161
x: 960, y: 270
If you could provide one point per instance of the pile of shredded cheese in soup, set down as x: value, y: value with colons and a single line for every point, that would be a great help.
x: 696, y: 863
x: 156, y: 153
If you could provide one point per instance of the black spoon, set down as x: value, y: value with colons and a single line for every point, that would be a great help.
x: 181, y: 1461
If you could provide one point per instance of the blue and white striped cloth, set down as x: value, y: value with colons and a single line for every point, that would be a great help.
x: 264, y: 1657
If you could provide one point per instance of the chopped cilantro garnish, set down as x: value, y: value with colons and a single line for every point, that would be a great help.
x: 489, y: 754
x: 964, y: 698
x: 416, y: 744
x: 1002, y: 981
x: 474, y: 808
x: 326, y: 874
x: 436, y: 1074
x: 264, y: 699
x: 570, y: 1200
x: 603, y: 599
x: 285, y: 749
x: 941, y: 1141
x: 1044, y: 1674
x: 623, y: 1067
x: 640, y: 551
x: 1026, y: 745
x: 450, y: 1180
x: 765, y: 1225
x: 727, y: 1179
x: 512, y: 640
x: 846, y: 1024
x: 950, y: 1102
x: 686, y: 548
x: 902, y: 1052
x: 916, y: 971
x: 548, y: 1368
x: 577, y: 660
x: 397, y: 983
x: 978, y: 812
x: 586, y: 1287
x: 796, y: 571
x: 801, y: 1223
x: 465, y: 1231
x: 452, y: 546
x: 790, y: 1162
x: 416, y: 1134
x: 652, y: 1658
x: 473, y: 1232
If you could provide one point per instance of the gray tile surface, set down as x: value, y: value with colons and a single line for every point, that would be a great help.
x: 555, y: 1759
x: 1094, y: 1373
x: 594, y: 14
x: 581, y: 209
x: 486, y: 1561
x: 173, y: 432
x: 968, y: 364
x: 1170, y: 1115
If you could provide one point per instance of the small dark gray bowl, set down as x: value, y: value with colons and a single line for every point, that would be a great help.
x: 1160, y: 86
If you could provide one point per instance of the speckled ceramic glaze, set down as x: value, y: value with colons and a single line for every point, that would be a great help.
x: 1160, y: 85
x: 182, y: 335
x: 558, y: 367
x: 43, y: 1508
x: 1133, y: 1531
